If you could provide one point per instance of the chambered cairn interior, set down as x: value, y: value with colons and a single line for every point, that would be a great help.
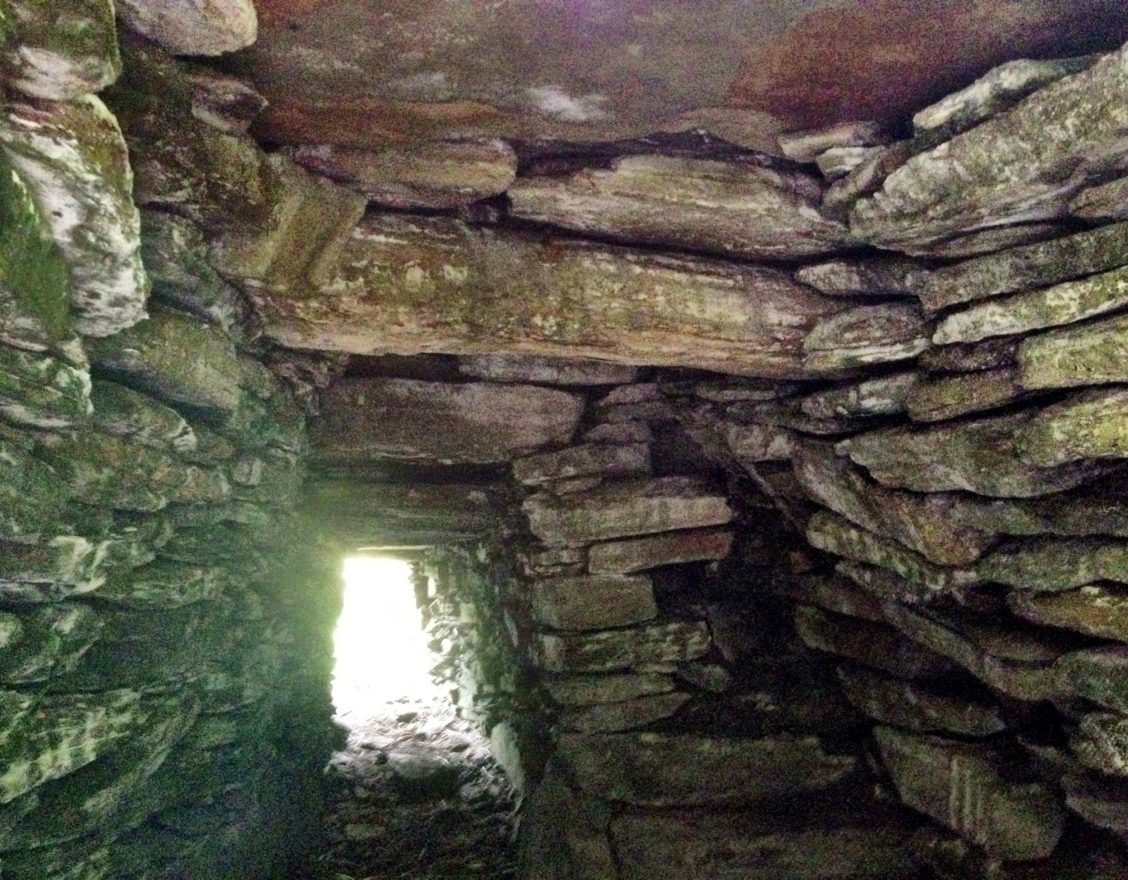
x: 745, y: 383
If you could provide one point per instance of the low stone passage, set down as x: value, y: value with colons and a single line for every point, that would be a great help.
x: 416, y: 795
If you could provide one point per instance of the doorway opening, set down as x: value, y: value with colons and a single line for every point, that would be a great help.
x: 380, y: 652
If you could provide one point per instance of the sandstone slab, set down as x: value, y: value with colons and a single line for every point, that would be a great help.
x: 593, y: 602
x: 476, y: 422
x: 656, y: 769
x: 731, y: 208
x: 878, y: 277
x: 948, y: 397
x: 672, y: 548
x: 586, y: 690
x: 626, y: 508
x: 73, y: 159
x: 1086, y: 355
x: 622, y: 715
x: 1051, y: 565
x: 961, y: 787
x: 1093, y: 424
x: 591, y: 459
x: 974, y: 456
x: 409, y: 285
x: 865, y: 335
x: 435, y: 175
x: 882, y: 396
x: 620, y: 649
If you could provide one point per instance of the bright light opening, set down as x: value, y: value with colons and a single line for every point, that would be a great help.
x: 380, y: 649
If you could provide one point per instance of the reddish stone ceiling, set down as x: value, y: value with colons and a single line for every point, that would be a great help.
x: 377, y: 72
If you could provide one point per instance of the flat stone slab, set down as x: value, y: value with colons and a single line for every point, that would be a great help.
x: 590, y: 459
x: 622, y: 715
x: 593, y: 602
x: 213, y: 28
x: 882, y: 396
x: 948, y: 397
x: 684, y: 845
x: 1099, y: 610
x: 866, y: 335
x: 973, y: 456
x: 626, y: 508
x: 433, y: 175
x: 477, y: 422
x: 660, y: 770
x: 961, y: 787
x: 610, y: 650
x: 1028, y: 267
x: 1093, y: 424
x: 733, y: 208
x: 1055, y: 564
x: 586, y: 690
x: 912, y: 706
x: 406, y: 285
x: 640, y: 554
x: 1097, y: 674
x: 876, y: 276
x: 1100, y: 743
x: 545, y: 370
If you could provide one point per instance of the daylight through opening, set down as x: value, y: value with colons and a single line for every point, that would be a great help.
x: 380, y: 649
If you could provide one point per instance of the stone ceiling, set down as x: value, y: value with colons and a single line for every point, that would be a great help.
x: 366, y: 73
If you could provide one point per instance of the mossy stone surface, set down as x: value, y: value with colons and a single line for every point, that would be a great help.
x: 124, y: 412
x: 1093, y: 424
x: 41, y: 391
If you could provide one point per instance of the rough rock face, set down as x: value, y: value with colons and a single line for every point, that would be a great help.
x: 208, y: 28
x: 73, y: 160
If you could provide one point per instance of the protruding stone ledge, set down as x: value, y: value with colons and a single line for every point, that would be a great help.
x: 593, y: 602
x: 611, y: 650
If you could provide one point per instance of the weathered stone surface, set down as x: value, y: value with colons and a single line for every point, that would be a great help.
x: 838, y: 535
x: 1024, y: 268
x: 995, y: 92
x: 1093, y: 424
x: 874, y: 645
x: 991, y: 176
x: 886, y: 59
x: 1107, y: 201
x: 225, y: 103
x: 988, y: 241
x: 73, y: 159
x: 176, y: 257
x: 1099, y: 610
x: 657, y: 769
x: 838, y: 594
x: 592, y: 459
x: 593, y: 602
x: 1098, y: 674
x: 34, y: 279
x: 413, y: 514
x: 1101, y: 743
x: 564, y: 833
x: 545, y: 370
x: 722, y: 207
x: 623, y: 648
x: 210, y: 28
x: 164, y: 584
x: 40, y: 391
x: 754, y: 443
x: 978, y: 456
x: 310, y: 220
x: 865, y: 335
x: 883, y: 396
x: 1100, y: 802
x: 924, y: 523
x: 912, y: 706
x: 1064, y: 303
x: 123, y: 474
x: 369, y: 419
x: 878, y: 276
x: 127, y: 413
x: 45, y: 739
x: 990, y: 354
x: 639, y: 554
x: 948, y: 397
x: 1087, y: 355
x: 408, y: 285
x: 45, y: 641
x: 628, y: 507
x: 177, y: 358
x: 1050, y: 565
x: 808, y: 145
x: 837, y: 162
x: 962, y: 787
x: 435, y: 175
x: 59, y: 52
x: 51, y: 570
x: 623, y: 715
x: 585, y: 690
x: 703, y: 846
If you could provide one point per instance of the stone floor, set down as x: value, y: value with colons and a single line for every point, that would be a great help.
x: 415, y: 795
